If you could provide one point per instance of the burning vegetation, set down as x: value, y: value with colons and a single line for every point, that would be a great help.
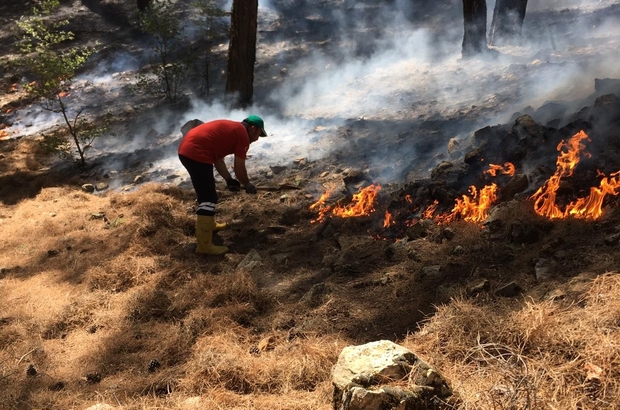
x: 475, y: 206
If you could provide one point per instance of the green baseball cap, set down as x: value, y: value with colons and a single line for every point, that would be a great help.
x: 257, y: 121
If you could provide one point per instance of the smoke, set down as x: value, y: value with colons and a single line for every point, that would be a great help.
x: 538, y: 5
x: 387, y: 69
x: 345, y: 75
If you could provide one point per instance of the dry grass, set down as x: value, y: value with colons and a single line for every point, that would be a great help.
x: 297, y: 365
x: 530, y: 355
x: 113, y: 297
x: 91, y: 288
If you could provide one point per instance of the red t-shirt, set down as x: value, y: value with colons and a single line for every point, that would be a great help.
x: 214, y: 140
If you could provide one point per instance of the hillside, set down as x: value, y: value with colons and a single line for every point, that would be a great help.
x: 104, y: 302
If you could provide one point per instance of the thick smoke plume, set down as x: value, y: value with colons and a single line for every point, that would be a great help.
x: 323, y: 69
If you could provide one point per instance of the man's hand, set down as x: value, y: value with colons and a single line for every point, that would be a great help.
x: 250, y: 189
x: 233, y: 185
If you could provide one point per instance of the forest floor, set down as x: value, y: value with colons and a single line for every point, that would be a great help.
x: 104, y: 302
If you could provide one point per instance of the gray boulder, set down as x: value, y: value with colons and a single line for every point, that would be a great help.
x: 385, y: 376
x: 189, y: 125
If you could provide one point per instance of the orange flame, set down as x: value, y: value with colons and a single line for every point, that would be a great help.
x: 591, y: 207
x: 428, y: 212
x: 408, y: 198
x: 507, y: 169
x: 320, y: 204
x: 476, y: 208
x: 387, y: 220
x: 544, y: 197
x: 362, y: 204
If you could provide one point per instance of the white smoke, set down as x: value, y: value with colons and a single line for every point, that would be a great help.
x: 372, y: 62
x: 413, y: 73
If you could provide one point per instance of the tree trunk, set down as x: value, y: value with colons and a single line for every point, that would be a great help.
x: 475, y: 19
x: 508, y: 18
x: 242, y: 51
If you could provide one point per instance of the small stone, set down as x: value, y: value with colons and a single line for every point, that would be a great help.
x: 31, y: 371
x: 479, y: 287
x: 93, y: 378
x: 458, y: 250
x: 154, y: 365
x: 276, y: 169
x: 102, y: 186
x: 431, y: 272
x: 138, y: 179
x: 543, y: 269
x: 315, y: 296
x: 89, y: 188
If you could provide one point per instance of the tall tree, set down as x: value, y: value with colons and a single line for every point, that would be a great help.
x: 475, y: 24
x: 508, y: 17
x: 242, y: 51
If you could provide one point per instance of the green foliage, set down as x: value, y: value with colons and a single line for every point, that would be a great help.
x: 60, y: 143
x: 169, y: 67
x: 212, y: 22
x: 42, y: 41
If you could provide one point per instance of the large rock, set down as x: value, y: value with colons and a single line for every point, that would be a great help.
x: 100, y: 406
x: 385, y: 376
x: 189, y: 125
x: 529, y: 133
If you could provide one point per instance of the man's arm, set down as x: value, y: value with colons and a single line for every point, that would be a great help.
x: 240, y: 172
x: 220, y: 166
x: 242, y: 175
x: 231, y: 183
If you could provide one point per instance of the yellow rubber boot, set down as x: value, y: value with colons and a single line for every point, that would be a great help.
x: 204, y: 236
